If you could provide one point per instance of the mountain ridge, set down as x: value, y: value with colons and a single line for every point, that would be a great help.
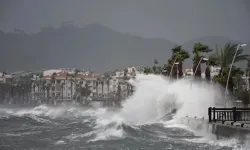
x: 93, y: 46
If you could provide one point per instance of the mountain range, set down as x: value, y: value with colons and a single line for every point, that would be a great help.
x: 92, y: 46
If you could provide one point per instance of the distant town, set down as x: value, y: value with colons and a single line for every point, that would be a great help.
x: 72, y: 85
x: 83, y: 86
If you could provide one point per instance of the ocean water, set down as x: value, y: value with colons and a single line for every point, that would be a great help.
x: 138, y: 125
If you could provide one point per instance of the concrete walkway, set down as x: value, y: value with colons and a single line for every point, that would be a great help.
x: 239, y: 124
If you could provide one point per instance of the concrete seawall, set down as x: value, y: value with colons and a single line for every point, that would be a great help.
x: 238, y: 130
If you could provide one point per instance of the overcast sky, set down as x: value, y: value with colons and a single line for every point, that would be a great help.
x: 175, y: 20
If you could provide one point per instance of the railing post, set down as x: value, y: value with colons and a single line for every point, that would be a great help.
x: 234, y: 114
x: 209, y: 114
x: 214, y: 114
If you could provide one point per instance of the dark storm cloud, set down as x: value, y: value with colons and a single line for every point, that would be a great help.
x: 175, y: 20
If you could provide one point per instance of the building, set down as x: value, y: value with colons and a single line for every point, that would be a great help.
x: 214, y: 70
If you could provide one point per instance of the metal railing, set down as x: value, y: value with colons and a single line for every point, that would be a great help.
x: 228, y: 114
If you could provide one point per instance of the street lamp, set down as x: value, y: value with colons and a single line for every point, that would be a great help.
x: 202, y: 58
x: 177, y: 63
x: 229, y: 73
x: 170, y: 75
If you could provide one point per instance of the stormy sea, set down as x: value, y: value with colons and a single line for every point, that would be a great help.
x: 146, y: 121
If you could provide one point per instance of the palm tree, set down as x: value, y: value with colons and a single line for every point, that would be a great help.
x: 226, y: 54
x: 108, y: 83
x: 211, y: 62
x: 67, y: 77
x: 71, y: 86
x: 48, y: 87
x: 53, y: 80
x: 155, y: 67
x: 102, y: 83
x: 75, y: 75
x: 179, y: 55
x: 199, y: 50
x: 43, y: 88
x: 97, y: 86
x: 62, y: 87
x: 34, y: 89
x: 147, y: 70
x: 224, y: 58
x: 248, y: 72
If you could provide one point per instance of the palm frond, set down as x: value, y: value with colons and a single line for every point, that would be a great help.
x: 226, y: 55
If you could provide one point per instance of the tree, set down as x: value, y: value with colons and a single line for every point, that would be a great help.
x: 102, y: 83
x: 108, y: 83
x: 224, y: 58
x: 148, y: 70
x: 48, y: 87
x: 43, y: 88
x: 248, y: 72
x: 62, y: 87
x: 74, y: 76
x: 53, y: 80
x: 226, y: 54
x: 155, y: 68
x: 97, y: 86
x: 67, y: 77
x: 211, y: 62
x: 178, y: 55
x: 198, y: 51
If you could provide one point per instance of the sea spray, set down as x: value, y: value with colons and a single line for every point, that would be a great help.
x: 136, y: 125
x: 156, y: 96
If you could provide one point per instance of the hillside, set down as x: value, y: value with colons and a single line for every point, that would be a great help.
x: 93, y: 46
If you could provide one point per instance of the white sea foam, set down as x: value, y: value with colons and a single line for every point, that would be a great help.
x: 154, y: 97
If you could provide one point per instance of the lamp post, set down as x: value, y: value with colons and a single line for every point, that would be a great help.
x: 177, y: 63
x: 202, y: 58
x: 229, y: 73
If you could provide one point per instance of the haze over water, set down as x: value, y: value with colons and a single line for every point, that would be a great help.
x: 140, y: 124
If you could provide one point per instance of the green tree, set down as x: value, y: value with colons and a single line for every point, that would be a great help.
x: 178, y: 55
x: 199, y: 50
x: 97, y: 86
x: 248, y: 72
x: 226, y: 54
x: 108, y: 83
x: 224, y: 58
x: 102, y: 83
x: 211, y: 62
x: 148, y: 70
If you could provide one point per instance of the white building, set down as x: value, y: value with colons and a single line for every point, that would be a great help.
x: 214, y: 70
x: 65, y: 83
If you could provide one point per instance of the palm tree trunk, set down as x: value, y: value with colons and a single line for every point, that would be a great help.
x: 102, y: 90
x: 208, y: 73
x: 47, y: 99
x: 108, y: 89
x: 196, y: 62
x: 127, y: 89
x: 44, y: 96
x: 71, y: 90
x: 62, y: 93
x: 180, y: 69
x: 97, y: 91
